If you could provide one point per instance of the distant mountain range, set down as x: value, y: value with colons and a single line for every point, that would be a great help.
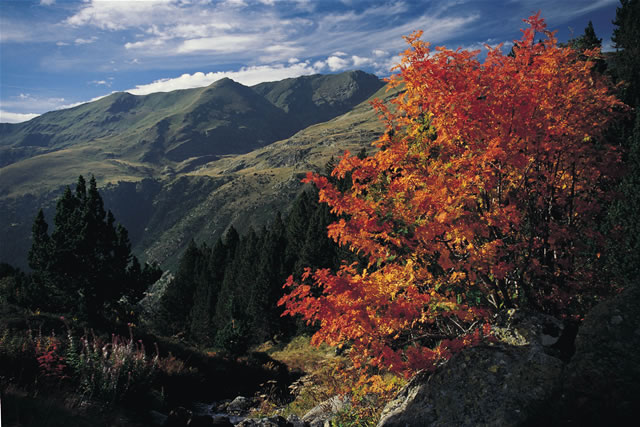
x: 184, y: 164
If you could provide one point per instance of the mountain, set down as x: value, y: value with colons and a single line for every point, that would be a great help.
x: 316, y: 99
x: 183, y: 164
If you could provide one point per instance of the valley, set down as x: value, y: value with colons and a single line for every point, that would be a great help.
x: 186, y: 164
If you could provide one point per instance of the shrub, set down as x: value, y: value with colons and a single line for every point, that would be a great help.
x: 112, y: 371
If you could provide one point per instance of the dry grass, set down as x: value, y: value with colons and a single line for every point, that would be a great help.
x: 319, y: 381
x: 324, y: 377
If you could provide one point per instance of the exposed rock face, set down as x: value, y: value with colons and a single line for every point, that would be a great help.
x: 498, y: 385
x: 239, y: 406
x: 533, y: 377
x: 276, y: 421
x: 602, y: 380
x: 322, y: 414
x: 492, y: 385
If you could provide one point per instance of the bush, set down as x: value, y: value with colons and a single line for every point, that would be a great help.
x: 114, y: 371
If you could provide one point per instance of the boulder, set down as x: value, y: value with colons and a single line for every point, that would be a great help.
x: 239, y: 406
x: 295, y: 421
x: 322, y: 414
x: 508, y: 383
x: 275, y: 421
x: 602, y: 380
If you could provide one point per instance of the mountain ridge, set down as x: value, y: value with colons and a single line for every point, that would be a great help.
x: 167, y: 199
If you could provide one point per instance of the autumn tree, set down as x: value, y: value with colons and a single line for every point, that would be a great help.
x: 483, y: 196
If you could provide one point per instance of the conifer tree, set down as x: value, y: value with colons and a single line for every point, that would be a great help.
x: 177, y: 301
x: 624, y: 249
x: 266, y: 289
x: 83, y: 267
x: 626, y: 40
x: 40, y: 247
x: 296, y: 231
x: 585, y: 45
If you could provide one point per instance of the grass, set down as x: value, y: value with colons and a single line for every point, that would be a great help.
x: 254, y: 187
x: 318, y: 381
x: 50, y: 369
x: 322, y: 378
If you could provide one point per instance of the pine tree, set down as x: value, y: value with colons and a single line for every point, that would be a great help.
x: 624, y: 251
x: 586, y: 42
x: 40, y: 246
x: 83, y: 267
x: 177, y: 301
x: 626, y: 40
x: 266, y: 288
x: 296, y: 231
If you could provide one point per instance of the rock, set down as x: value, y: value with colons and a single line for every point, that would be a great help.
x: 239, y: 406
x: 322, y: 414
x: 602, y: 380
x: 492, y: 385
x: 295, y: 421
x: 276, y: 421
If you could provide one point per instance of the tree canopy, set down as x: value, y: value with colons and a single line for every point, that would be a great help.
x: 85, y: 266
x: 484, y: 195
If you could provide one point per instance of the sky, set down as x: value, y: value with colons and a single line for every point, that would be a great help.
x: 57, y: 54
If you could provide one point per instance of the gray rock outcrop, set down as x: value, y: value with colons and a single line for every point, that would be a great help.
x: 322, y: 414
x: 535, y: 375
x: 602, y: 380
x: 504, y: 384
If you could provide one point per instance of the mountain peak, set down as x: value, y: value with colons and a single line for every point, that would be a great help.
x: 225, y: 81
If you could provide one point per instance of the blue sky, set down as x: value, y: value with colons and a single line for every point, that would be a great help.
x: 56, y: 53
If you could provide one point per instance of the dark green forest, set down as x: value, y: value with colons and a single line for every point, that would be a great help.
x: 225, y: 294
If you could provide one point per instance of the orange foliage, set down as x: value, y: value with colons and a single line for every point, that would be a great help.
x: 484, y: 194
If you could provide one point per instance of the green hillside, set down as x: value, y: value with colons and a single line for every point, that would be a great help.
x: 185, y: 164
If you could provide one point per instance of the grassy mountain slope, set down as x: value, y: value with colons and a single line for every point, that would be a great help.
x: 250, y: 188
x: 165, y: 199
x: 319, y: 98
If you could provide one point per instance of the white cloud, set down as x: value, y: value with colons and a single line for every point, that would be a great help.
x: 47, y: 2
x: 359, y: 61
x: 145, y: 44
x: 235, y: 3
x: 248, y: 76
x: 62, y: 44
x: 280, y: 52
x: 9, y: 117
x: 81, y: 41
x: 120, y: 14
x: 360, y: 37
x: 223, y: 44
x: 25, y: 102
x: 336, y: 63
